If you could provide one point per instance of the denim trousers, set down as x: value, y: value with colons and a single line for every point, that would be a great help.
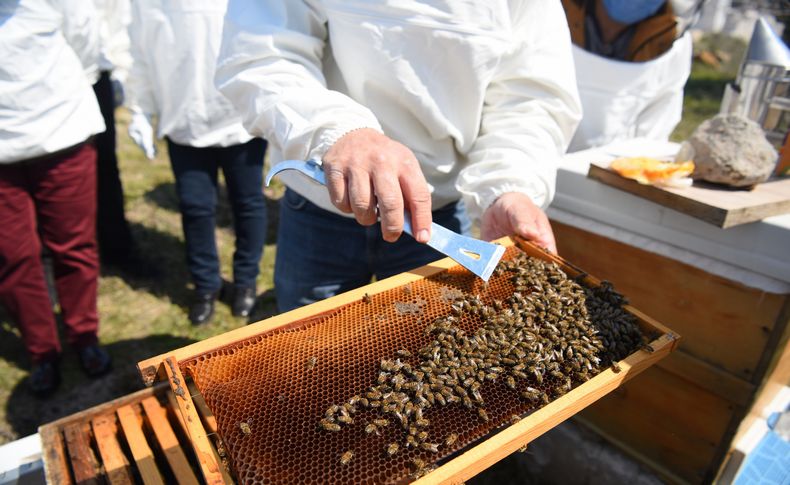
x: 322, y: 254
x: 196, y: 171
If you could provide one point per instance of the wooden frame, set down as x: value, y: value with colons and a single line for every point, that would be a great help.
x: 474, y: 460
x: 118, y: 440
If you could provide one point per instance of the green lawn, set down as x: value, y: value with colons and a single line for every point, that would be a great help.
x: 141, y: 318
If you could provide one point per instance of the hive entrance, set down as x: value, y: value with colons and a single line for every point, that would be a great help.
x: 270, y: 393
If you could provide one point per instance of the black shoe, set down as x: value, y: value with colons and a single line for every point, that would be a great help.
x: 202, y: 308
x: 44, y: 378
x: 94, y: 360
x: 243, y: 302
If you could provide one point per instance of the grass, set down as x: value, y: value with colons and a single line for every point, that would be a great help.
x: 146, y: 317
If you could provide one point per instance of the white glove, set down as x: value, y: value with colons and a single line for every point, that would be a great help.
x: 141, y: 131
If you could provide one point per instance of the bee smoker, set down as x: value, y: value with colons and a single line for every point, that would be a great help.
x: 761, y: 91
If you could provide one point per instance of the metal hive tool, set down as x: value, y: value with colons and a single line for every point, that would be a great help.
x: 269, y: 392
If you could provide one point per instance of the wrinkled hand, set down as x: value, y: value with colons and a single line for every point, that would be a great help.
x: 515, y: 213
x: 142, y: 133
x: 365, y: 169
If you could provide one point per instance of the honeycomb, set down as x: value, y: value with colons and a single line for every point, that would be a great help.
x: 275, y: 396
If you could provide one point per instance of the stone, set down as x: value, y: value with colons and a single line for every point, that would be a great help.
x: 729, y: 149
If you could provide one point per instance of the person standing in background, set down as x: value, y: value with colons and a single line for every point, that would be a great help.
x: 48, y: 116
x: 174, y: 46
x: 450, y: 110
x: 116, y: 246
x: 632, y: 62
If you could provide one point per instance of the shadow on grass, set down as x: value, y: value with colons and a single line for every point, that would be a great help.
x: 25, y: 413
x: 164, y: 195
x: 162, y: 267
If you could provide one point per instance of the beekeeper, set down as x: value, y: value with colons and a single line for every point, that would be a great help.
x: 48, y: 117
x: 632, y: 62
x: 446, y: 109
x: 174, y: 45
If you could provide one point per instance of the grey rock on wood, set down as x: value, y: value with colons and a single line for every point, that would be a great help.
x: 729, y: 149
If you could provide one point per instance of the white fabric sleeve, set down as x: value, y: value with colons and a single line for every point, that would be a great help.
x: 118, y: 43
x: 269, y: 67
x: 531, y: 111
x: 81, y: 31
x: 139, y: 96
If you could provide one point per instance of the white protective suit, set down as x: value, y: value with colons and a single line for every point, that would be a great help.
x: 48, y: 58
x: 624, y: 100
x: 482, y: 92
x: 174, y: 46
x: 114, y: 18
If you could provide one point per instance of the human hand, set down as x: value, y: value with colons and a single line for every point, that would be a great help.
x: 365, y: 169
x: 514, y: 213
x: 142, y: 133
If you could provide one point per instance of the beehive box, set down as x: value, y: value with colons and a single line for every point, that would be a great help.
x: 276, y: 387
x: 137, y: 438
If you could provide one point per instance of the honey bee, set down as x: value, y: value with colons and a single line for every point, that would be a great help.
x: 381, y: 423
x: 371, y: 428
x: 403, y: 353
x: 451, y: 439
x: 345, y: 419
x: 346, y: 457
x: 329, y: 426
x: 392, y: 448
x: 245, y: 428
x: 483, y: 414
x: 511, y: 383
x: 366, y: 298
x: 432, y: 447
x: 616, y: 367
x: 411, y: 442
x: 311, y: 361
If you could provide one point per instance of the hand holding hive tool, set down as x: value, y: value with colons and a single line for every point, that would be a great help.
x: 477, y: 256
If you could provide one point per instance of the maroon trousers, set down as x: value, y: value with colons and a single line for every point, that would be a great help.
x: 51, y: 201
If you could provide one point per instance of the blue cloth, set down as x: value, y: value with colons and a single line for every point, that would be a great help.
x: 631, y: 11
x: 321, y: 254
x: 196, y: 171
x: 769, y: 462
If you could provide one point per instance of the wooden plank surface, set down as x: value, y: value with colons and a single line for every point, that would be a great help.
x: 723, y: 322
x: 157, y: 418
x: 83, y: 461
x: 116, y: 466
x: 197, y: 434
x: 53, y: 452
x: 143, y: 456
x: 671, y: 424
x: 718, y: 205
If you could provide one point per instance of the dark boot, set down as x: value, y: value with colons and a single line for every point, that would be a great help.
x: 44, y: 378
x: 202, y: 308
x: 243, y: 301
x: 94, y: 360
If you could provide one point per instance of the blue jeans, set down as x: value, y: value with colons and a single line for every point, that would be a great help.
x: 322, y: 254
x: 196, y: 172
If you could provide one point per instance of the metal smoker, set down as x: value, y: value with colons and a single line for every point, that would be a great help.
x: 761, y: 91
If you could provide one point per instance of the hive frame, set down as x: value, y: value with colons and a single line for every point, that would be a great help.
x: 477, y: 458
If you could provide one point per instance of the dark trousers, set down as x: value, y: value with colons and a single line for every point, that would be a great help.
x: 50, y: 202
x: 196, y: 171
x: 322, y: 254
x: 112, y: 229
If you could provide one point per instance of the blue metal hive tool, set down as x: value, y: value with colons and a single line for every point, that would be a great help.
x: 477, y: 256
